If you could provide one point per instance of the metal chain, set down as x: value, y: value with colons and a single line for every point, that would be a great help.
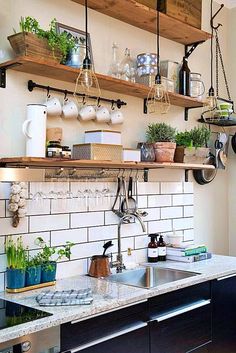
x: 219, y: 55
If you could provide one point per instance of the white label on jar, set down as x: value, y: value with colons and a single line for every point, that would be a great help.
x: 152, y: 252
x: 162, y: 251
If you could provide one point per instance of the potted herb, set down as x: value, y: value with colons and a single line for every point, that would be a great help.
x: 192, y: 145
x: 16, y: 263
x: 162, y: 136
x: 48, y: 264
x: 32, y: 40
x: 33, y: 271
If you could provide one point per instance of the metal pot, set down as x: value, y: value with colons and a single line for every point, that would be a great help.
x: 100, y: 266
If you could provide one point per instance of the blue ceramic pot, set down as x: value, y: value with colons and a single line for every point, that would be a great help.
x: 48, y: 273
x: 33, y: 275
x: 15, y: 278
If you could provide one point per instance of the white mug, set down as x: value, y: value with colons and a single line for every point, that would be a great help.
x: 69, y: 110
x: 87, y: 112
x: 116, y: 117
x: 34, y: 128
x: 102, y: 115
x: 53, y: 107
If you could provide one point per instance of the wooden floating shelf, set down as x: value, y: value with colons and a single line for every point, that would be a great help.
x: 74, y: 163
x: 143, y: 17
x: 65, y: 73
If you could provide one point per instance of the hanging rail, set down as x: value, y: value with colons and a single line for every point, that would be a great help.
x: 32, y: 85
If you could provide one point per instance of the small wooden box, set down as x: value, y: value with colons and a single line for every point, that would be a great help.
x: 187, y: 11
x: 191, y: 155
x: 98, y: 152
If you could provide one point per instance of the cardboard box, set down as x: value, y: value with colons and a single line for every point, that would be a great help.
x: 103, y: 136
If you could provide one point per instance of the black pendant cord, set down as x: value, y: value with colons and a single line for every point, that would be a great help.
x: 87, y: 62
x: 211, y: 90
x: 32, y: 85
x: 158, y: 75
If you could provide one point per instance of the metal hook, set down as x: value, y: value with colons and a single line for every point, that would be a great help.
x: 112, y: 105
x: 136, y: 175
x: 214, y: 16
x: 98, y: 101
x: 65, y: 95
x: 48, y: 91
x: 83, y: 100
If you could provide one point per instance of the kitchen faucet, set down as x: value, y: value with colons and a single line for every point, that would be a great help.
x: 124, y: 220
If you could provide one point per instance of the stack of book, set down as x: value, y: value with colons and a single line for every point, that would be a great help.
x: 188, y: 253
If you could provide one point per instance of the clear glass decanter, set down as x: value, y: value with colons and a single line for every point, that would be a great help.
x: 128, y: 67
x: 115, y: 68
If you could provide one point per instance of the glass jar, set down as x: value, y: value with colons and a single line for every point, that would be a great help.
x: 197, y: 88
x: 54, y: 149
x: 147, y: 152
x: 115, y: 67
x: 66, y: 152
x: 128, y: 67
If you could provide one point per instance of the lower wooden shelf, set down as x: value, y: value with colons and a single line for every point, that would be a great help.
x: 35, y: 162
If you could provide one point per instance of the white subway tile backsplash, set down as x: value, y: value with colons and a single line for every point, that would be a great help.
x: 100, y: 203
x: 60, y: 237
x: 84, y: 250
x: 171, y: 212
x: 141, y: 242
x: 3, y: 263
x: 29, y: 239
x: 2, y: 208
x: 189, y: 235
x: 68, y: 205
x: 188, y: 188
x: 5, y: 190
x: 180, y: 200
x: 6, y: 227
x: 183, y: 223
x: 159, y: 226
x: 148, y: 188
x: 52, y: 222
x: 125, y: 244
x: 2, y: 282
x: 153, y: 214
x: 132, y: 229
x: 76, y: 267
x: 142, y: 201
x: 2, y: 244
x: 159, y: 200
x: 102, y: 233
x: 48, y: 189
x: 171, y: 188
x: 141, y: 256
x: 188, y: 211
x: 38, y: 207
x: 90, y: 219
x: 111, y: 218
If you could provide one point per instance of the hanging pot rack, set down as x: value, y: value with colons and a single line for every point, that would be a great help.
x: 32, y: 85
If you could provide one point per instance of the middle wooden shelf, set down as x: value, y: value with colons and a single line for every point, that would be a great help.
x: 37, y: 66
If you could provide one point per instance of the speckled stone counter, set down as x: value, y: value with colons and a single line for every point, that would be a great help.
x: 109, y: 296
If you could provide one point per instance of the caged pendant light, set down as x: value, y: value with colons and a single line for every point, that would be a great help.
x: 87, y: 82
x: 158, y: 98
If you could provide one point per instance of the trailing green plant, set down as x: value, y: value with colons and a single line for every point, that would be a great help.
x: 16, y: 253
x: 160, y: 132
x: 184, y: 139
x: 200, y: 136
x: 56, y: 41
x: 46, y: 255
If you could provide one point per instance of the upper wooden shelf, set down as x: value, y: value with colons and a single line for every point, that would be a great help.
x: 74, y: 163
x: 68, y: 74
x: 143, y: 17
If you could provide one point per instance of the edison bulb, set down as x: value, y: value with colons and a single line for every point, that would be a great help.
x: 159, y: 92
x: 211, y: 102
x: 86, y: 78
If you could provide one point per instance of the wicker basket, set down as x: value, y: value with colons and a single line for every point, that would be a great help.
x: 98, y: 152
x: 29, y: 44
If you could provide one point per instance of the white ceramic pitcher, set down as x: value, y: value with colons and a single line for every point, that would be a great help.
x: 34, y: 128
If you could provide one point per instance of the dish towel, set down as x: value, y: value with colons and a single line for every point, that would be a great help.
x: 65, y: 297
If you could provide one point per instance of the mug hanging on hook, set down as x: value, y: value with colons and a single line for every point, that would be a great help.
x: 116, y: 115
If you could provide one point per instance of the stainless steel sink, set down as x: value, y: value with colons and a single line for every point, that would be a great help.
x: 149, y: 277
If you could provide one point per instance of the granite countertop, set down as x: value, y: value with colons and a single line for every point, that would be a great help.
x: 109, y: 296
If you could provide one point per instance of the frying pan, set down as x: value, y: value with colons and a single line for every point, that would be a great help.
x: 204, y: 176
x: 233, y: 142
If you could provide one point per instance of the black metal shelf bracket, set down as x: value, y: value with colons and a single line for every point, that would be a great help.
x: 186, y: 177
x: 2, y: 77
x: 188, y: 51
x: 32, y: 85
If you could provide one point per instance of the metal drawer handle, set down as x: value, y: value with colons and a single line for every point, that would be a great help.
x: 107, y: 338
x: 226, y: 277
x: 182, y: 310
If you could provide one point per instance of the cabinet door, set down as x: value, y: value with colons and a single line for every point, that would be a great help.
x: 224, y: 315
x: 181, y: 330
x: 133, y: 340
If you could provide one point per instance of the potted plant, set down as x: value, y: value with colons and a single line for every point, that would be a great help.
x: 33, y: 271
x: 48, y: 264
x: 46, y: 44
x: 162, y: 136
x: 192, y: 145
x: 16, y: 263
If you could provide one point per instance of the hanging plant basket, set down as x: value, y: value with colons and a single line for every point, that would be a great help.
x: 29, y: 44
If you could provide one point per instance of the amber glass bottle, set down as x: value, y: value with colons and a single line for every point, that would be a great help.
x: 161, y: 249
x: 153, y: 248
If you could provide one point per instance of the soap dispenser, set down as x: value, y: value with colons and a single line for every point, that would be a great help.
x: 161, y: 249
x: 153, y: 248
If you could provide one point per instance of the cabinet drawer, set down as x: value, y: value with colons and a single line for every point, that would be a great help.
x: 179, y: 298
x: 103, y: 326
x: 181, y: 332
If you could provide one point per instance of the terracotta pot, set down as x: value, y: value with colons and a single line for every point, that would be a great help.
x: 164, y: 151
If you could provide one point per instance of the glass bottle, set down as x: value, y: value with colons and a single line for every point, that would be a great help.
x: 115, y: 68
x: 161, y: 249
x: 153, y: 248
x: 128, y: 67
x: 184, y: 79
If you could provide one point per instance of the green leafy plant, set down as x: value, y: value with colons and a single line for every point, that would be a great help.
x: 160, y: 132
x: 200, y: 136
x: 16, y: 253
x: 57, y: 41
x: 33, y: 261
x: 184, y: 139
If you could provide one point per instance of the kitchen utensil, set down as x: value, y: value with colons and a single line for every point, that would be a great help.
x: 218, y: 147
x: 204, y: 176
x: 129, y: 204
x: 106, y: 246
x: 99, y: 266
x: 34, y: 129
x: 233, y: 142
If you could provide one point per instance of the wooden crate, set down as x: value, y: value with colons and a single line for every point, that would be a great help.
x: 187, y: 11
x: 29, y: 44
x: 191, y: 154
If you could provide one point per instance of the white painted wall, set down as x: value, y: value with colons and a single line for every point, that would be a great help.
x: 211, y: 202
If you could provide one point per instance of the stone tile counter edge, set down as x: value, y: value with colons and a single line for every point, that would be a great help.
x: 112, y: 296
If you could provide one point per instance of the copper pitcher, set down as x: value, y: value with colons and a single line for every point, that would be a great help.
x: 100, y: 266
